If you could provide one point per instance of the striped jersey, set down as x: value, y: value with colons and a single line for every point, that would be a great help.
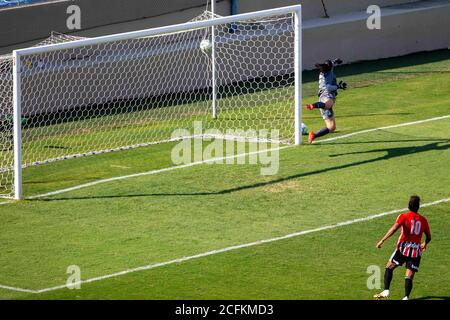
x: 413, y: 226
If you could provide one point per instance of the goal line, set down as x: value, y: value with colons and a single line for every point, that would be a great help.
x: 206, y: 136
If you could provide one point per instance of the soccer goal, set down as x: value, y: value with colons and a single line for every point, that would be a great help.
x: 84, y: 97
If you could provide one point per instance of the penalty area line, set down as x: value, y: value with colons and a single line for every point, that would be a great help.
x: 212, y: 160
x: 228, y: 249
x: 17, y: 289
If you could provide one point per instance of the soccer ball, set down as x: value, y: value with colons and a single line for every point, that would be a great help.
x: 206, y: 46
x: 304, y: 129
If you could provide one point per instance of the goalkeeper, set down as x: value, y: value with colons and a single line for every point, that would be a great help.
x: 328, y: 87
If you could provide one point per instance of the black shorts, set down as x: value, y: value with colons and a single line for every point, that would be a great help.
x: 411, y: 263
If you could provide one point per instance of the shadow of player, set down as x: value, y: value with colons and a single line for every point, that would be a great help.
x: 390, y: 153
x: 401, y: 151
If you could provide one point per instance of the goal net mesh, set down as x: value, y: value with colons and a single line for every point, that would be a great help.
x: 134, y: 93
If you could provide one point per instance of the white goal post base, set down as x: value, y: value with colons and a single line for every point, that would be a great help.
x: 135, y: 87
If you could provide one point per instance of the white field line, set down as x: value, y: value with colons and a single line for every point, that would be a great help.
x: 120, y: 167
x: 227, y: 249
x: 17, y: 289
x: 90, y: 184
x: 147, y: 173
x: 146, y: 144
x: 227, y: 157
x: 383, y: 128
x: 92, y: 153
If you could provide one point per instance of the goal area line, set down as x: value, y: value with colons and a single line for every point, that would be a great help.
x: 101, y: 181
x: 205, y: 136
x: 222, y: 250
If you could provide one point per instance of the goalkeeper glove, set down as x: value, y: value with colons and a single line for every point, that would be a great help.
x: 336, y: 61
x: 342, y: 85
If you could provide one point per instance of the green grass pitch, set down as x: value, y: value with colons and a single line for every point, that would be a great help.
x: 115, y: 226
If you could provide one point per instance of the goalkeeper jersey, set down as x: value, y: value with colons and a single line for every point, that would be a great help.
x: 327, y: 83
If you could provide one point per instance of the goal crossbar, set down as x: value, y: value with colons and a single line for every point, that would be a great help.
x: 161, y: 30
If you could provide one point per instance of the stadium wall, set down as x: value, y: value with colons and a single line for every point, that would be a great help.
x: 402, y: 31
x: 34, y: 22
x: 409, y: 27
x: 422, y: 26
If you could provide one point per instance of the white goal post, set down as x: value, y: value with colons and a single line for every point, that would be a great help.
x: 69, y: 91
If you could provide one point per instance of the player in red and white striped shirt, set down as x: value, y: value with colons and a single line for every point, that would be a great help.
x: 409, y: 247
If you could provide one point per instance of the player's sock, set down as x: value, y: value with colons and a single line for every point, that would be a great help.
x: 321, y: 132
x: 408, y: 286
x: 388, y: 274
x: 319, y: 105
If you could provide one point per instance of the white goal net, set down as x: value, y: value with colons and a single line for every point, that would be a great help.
x: 7, y: 113
x: 98, y: 95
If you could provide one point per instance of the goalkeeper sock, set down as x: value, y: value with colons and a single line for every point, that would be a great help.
x: 321, y: 132
x: 388, y: 278
x: 319, y: 105
x: 408, y: 286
